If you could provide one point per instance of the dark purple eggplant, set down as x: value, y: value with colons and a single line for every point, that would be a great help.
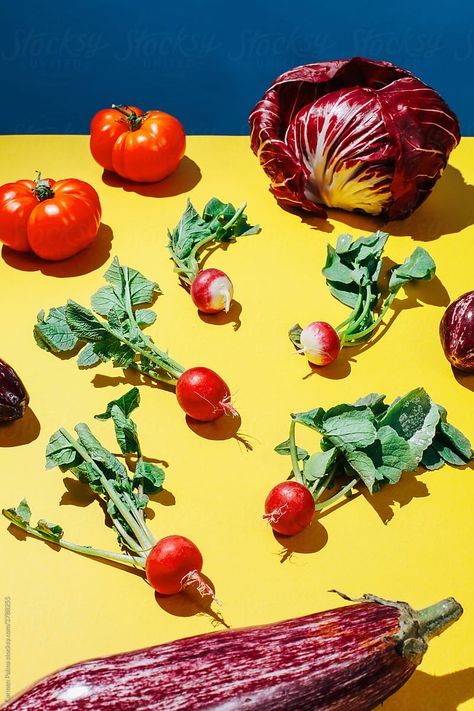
x: 13, y: 396
x: 456, y: 332
x: 346, y: 659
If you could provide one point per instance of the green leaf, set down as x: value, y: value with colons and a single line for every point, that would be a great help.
x: 128, y: 280
x: 151, y: 476
x: 294, y: 334
x: 20, y: 515
x: 99, y: 454
x: 335, y: 269
x: 219, y: 214
x: 88, y: 358
x: 450, y: 456
x: 127, y: 404
x: 83, y: 323
x: 312, y: 418
x: 145, y: 317
x: 60, y: 452
x: 456, y: 439
x: 190, y: 230
x: 431, y: 459
x: 105, y: 299
x: 347, y: 294
x: 419, y: 265
x: 350, y: 430
x: 53, y: 530
x: 52, y: 332
x: 370, y: 248
x: 391, y: 455
x: 415, y: 418
x: 374, y: 401
x: 284, y: 449
x: 319, y: 464
x: 125, y: 431
x: 362, y: 464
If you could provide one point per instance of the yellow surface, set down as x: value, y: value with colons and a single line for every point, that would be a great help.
x: 65, y: 607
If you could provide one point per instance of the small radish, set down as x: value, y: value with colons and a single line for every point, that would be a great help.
x: 174, y: 563
x: 320, y: 342
x: 289, y: 508
x: 203, y: 394
x: 212, y: 291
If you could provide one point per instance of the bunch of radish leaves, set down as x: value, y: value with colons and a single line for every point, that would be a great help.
x: 112, y: 329
x: 219, y: 222
x: 124, y: 493
x: 352, y: 272
x: 372, y: 443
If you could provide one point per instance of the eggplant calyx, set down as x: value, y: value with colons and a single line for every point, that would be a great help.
x: 417, y: 627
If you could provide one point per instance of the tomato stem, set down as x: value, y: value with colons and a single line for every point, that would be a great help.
x: 42, y: 189
x: 134, y: 121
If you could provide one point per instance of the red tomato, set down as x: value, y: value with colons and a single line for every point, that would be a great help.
x: 143, y: 147
x: 55, y: 220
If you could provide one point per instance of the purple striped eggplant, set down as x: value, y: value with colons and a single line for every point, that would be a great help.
x: 349, y: 658
x: 456, y: 332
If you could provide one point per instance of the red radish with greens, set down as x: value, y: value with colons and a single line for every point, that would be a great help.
x: 171, y: 564
x: 320, y: 343
x: 118, y: 336
x: 174, y: 563
x: 368, y: 444
x: 350, y: 658
x: 289, y: 508
x: 456, y: 332
x: 203, y: 395
x: 211, y: 289
x: 352, y: 274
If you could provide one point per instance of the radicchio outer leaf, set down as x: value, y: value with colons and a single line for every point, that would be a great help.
x: 355, y: 134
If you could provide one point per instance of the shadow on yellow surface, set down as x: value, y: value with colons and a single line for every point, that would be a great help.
x: 427, y: 692
x: 190, y: 602
x: 448, y: 210
x: 22, y: 431
x: 222, y: 318
x: 226, y: 427
x: 129, y: 377
x: 408, y: 488
x: 186, y: 176
x: 86, y: 261
x: 464, y: 379
x: 311, y: 540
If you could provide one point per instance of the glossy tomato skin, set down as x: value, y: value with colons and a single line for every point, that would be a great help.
x: 54, y: 228
x: 203, y: 394
x: 106, y: 126
x: 17, y: 202
x: 169, y: 561
x: 147, y: 154
x: 289, y: 508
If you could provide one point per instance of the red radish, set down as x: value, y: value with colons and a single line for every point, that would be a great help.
x: 203, y: 394
x: 172, y: 564
x: 320, y: 343
x: 456, y: 332
x: 212, y: 291
x: 289, y: 508
x: 348, y: 659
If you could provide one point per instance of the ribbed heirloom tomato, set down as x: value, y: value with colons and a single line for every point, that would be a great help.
x: 53, y: 219
x: 143, y: 147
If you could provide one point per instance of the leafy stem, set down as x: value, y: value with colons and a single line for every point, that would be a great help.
x: 219, y: 222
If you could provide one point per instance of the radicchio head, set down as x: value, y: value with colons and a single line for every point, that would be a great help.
x: 352, y: 134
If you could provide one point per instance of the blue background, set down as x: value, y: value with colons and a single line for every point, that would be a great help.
x: 208, y: 63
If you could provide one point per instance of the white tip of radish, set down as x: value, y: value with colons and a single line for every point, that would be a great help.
x: 212, y: 291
